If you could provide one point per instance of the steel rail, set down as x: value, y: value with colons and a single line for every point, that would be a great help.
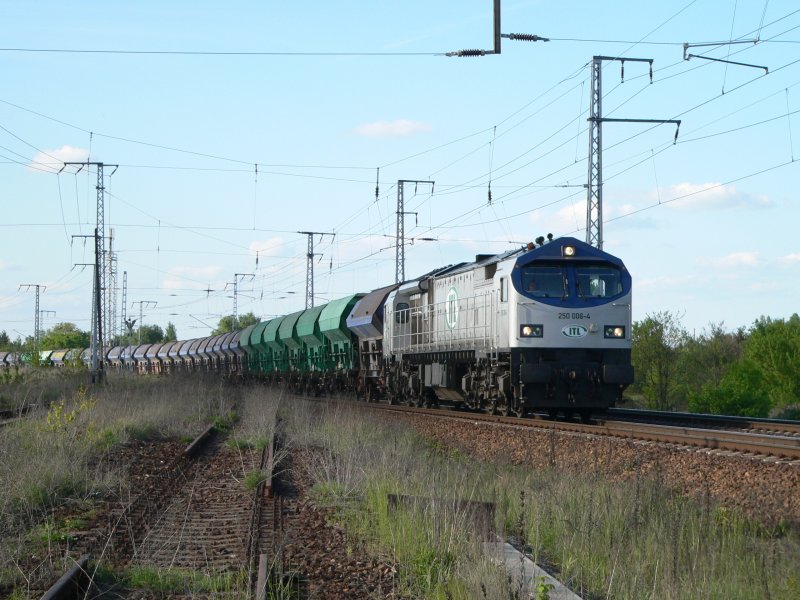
x: 734, y: 441
x: 705, y: 420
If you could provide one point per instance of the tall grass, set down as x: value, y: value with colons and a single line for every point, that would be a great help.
x: 632, y: 540
x: 54, y: 458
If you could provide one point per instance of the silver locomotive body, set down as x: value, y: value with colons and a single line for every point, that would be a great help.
x: 545, y: 329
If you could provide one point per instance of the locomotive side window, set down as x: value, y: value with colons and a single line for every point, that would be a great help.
x: 544, y: 282
x: 503, y: 289
x: 401, y: 310
x: 598, y: 282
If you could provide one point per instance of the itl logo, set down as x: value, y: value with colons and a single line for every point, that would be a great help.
x: 574, y: 331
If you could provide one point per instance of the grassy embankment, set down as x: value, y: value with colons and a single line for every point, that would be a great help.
x: 633, y: 540
x: 56, y: 465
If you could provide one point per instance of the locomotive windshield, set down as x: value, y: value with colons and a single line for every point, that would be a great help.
x: 544, y: 282
x: 598, y: 281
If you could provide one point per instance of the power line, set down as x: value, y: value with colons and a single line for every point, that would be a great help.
x: 209, y: 52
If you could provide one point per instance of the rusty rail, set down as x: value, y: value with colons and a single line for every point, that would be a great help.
x: 264, y: 492
x: 198, y: 442
x: 71, y: 583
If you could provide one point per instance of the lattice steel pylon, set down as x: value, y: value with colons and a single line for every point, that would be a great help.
x: 100, y: 301
x: 236, y: 278
x: 37, y: 314
x: 594, y: 186
x: 124, y: 302
x: 111, y: 296
x: 310, y: 263
x: 400, y: 240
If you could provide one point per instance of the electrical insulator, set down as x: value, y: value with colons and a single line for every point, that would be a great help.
x: 527, y: 37
x: 467, y: 53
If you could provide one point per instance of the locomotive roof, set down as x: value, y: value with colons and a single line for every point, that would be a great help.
x: 551, y: 249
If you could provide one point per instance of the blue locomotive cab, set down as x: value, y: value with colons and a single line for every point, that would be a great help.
x: 571, y: 348
x: 572, y: 274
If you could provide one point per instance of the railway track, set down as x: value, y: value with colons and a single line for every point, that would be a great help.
x: 193, y: 514
x: 751, y: 442
x: 774, y: 426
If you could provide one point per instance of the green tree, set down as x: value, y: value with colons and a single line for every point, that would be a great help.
x: 150, y: 334
x: 656, y: 345
x: 226, y: 323
x: 704, y: 360
x: 5, y: 341
x: 774, y: 348
x: 170, y: 334
x: 740, y: 392
x: 64, y: 335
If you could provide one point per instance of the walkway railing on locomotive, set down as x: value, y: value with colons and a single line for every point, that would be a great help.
x: 429, y: 330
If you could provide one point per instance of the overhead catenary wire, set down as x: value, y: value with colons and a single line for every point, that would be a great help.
x: 528, y: 187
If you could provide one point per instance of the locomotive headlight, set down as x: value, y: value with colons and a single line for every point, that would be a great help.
x: 531, y: 331
x: 569, y: 250
x: 614, y: 331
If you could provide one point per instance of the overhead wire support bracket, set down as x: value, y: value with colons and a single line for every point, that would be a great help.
x: 687, y: 55
x: 676, y: 122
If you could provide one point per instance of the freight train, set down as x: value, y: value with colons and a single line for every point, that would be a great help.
x: 543, y: 328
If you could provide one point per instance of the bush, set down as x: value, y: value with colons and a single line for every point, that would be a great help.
x: 741, y: 392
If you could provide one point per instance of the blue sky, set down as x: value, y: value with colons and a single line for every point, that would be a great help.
x: 707, y: 226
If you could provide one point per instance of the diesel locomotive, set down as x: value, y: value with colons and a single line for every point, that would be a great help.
x: 544, y: 328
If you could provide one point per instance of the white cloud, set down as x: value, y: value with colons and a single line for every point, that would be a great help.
x: 664, y: 282
x: 570, y: 218
x: 396, y: 128
x: 733, y: 261
x: 54, y: 159
x: 710, y: 195
x: 264, y: 248
x: 12, y: 301
x: 791, y: 259
x: 186, y: 277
